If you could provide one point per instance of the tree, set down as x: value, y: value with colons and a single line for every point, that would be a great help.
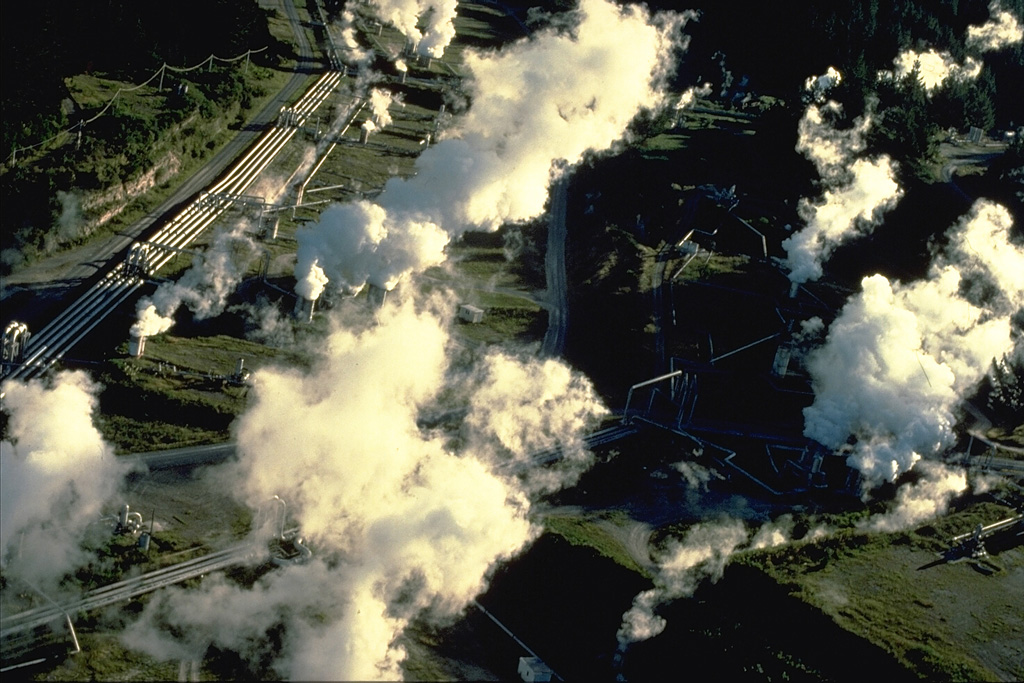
x: 979, y: 105
x: 905, y: 126
x: 1006, y: 393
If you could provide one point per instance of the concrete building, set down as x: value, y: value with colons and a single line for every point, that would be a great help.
x: 534, y: 669
x: 470, y: 314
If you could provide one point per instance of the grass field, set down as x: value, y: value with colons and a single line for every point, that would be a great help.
x: 941, y: 621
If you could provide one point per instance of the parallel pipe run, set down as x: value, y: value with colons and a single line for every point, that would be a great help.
x: 660, y: 378
x: 78, y: 319
x: 744, y: 348
x: 511, y: 635
x: 129, y: 588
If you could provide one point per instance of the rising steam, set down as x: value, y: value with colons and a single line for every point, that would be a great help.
x: 701, y: 555
x: 858, y: 190
x: 522, y: 405
x: 922, y: 500
x: 403, y: 525
x: 435, y: 16
x: 818, y: 86
x: 536, y: 103
x: 899, y: 357
x: 203, y: 289
x: 56, y: 473
x: 936, y: 67
x: 380, y: 100
x: 353, y: 53
x: 933, y: 67
x: 1000, y: 31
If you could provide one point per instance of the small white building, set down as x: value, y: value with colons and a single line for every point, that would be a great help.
x: 136, y: 345
x: 534, y: 669
x: 780, y: 366
x: 470, y: 314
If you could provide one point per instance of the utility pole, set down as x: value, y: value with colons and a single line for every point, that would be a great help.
x: 162, y: 70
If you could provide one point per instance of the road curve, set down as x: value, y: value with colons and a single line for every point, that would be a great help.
x: 554, y: 267
x: 96, y: 258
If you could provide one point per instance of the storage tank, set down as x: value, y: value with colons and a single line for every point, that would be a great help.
x: 136, y: 345
x: 304, y: 308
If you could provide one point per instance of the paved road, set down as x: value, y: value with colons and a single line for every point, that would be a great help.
x: 554, y: 265
x: 189, y: 456
x: 90, y: 260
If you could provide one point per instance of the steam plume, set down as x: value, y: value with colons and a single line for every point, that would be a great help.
x: 204, y: 288
x: 899, y: 357
x: 56, y: 473
x: 522, y: 405
x: 354, y: 53
x: 691, y: 94
x: 536, y: 103
x: 922, y: 500
x: 402, y: 525
x: 1001, y: 30
x: 380, y: 100
x: 818, y: 86
x: 934, y: 68
x: 405, y: 15
x: 702, y: 554
x: 858, y: 191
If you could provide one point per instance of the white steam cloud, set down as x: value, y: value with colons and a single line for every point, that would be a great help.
x: 353, y: 53
x: 436, y: 16
x: 402, y: 525
x: 522, y: 405
x: 899, y: 357
x: 934, y: 68
x: 858, y: 191
x: 56, y: 474
x: 535, y: 103
x: 380, y: 100
x: 1001, y: 30
x: 701, y: 555
x: 922, y: 500
x: 818, y: 86
x: 204, y: 288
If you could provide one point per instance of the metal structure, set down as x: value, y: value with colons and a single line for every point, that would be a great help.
x: 128, y: 522
x: 973, y: 542
x: 75, y: 321
x: 15, y: 339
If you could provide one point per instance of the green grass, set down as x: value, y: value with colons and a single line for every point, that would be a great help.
x: 580, y: 531
x: 877, y: 586
x: 148, y: 405
x: 665, y: 142
x: 1014, y: 437
x: 104, y: 658
x: 507, y: 315
x: 182, y: 142
x: 702, y: 268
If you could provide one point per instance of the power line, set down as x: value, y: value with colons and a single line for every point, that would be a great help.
x: 159, y: 72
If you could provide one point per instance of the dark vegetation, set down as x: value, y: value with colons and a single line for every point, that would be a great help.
x: 778, y: 45
x: 626, y: 210
x: 46, y: 43
x: 1002, y: 390
x: 61, y: 64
